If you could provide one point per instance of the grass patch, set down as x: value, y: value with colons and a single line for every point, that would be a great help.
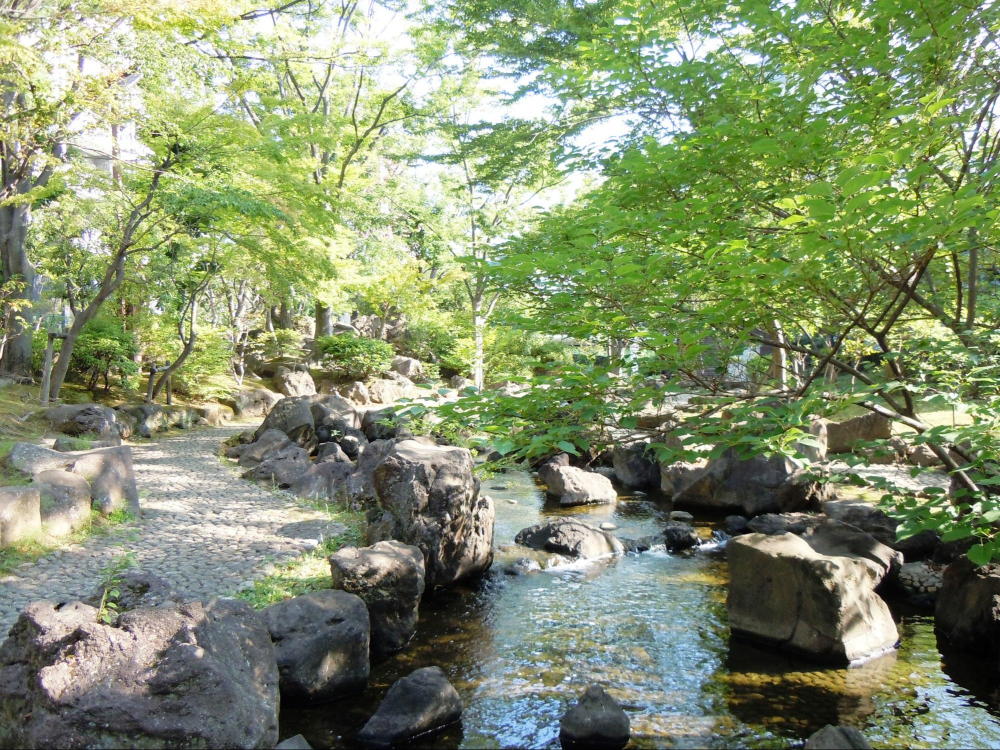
x: 311, y: 571
x: 30, y: 550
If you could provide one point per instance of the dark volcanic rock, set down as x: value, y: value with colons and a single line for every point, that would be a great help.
x: 422, y: 702
x: 175, y: 676
x: 321, y: 644
x: 595, y: 721
x: 389, y: 578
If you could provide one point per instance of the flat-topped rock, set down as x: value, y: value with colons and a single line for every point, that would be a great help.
x: 812, y: 594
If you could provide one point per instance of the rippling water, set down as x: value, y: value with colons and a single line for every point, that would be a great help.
x: 652, y: 629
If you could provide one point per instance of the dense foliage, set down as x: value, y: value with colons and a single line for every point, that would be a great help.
x: 769, y: 211
x: 353, y: 357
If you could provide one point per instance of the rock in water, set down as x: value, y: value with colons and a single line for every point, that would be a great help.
x: 298, y: 742
x: 837, y: 738
x: 679, y: 536
x: 814, y: 595
x: 635, y: 467
x: 422, y: 702
x: 967, y: 613
x: 570, y: 538
x: 175, y: 676
x: 321, y: 644
x: 575, y: 486
x: 389, y: 578
x: 596, y: 721
x: 428, y: 496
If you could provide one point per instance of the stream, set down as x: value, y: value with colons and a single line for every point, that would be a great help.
x: 652, y: 629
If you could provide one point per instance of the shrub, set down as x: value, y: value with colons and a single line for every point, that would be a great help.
x: 354, y: 357
x: 104, y: 348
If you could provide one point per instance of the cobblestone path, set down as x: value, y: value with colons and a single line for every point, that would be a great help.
x: 202, y: 528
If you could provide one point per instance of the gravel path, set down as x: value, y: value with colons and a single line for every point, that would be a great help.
x: 202, y: 528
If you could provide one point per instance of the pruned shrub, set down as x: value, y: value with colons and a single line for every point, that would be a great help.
x: 353, y: 357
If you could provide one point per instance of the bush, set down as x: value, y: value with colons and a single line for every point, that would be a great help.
x: 354, y: 357
x: 104, y: 348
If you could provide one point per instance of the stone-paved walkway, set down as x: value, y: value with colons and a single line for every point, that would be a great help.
x: 202, y: 528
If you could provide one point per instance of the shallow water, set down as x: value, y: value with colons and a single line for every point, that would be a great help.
x: 652, y: 629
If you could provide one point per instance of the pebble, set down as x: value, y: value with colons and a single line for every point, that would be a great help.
x: 607, y: 526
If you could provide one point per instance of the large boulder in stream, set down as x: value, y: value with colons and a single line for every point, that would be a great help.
x: 173, y: 676
x: 571, y: 538
x: 427, y: 496
x: 967, y: 613
x: 755, y: 485
x: 574, y: 486
x: 595, y: 721
x: 321, y: 645
x: 812, y: 594
x: 389, y: 579
x: 635, y: 467
x: 416, y: 705
x: 836, y: 738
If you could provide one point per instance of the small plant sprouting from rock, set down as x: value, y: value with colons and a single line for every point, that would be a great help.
x: 111, y: 576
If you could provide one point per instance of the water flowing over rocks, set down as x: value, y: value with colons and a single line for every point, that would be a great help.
x: 174, y: 676
x: 422, y: 702
x: 571, y: 538
x: 812, y: 594
x: 595, y: 721
x: 321, y: 645
x: 389, y: 578
x: 427, y: 496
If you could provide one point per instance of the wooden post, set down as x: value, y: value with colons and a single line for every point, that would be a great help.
x: 47, y: 370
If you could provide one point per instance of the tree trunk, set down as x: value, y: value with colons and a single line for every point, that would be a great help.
x: 478, y: 350
x: 113, y: 278
x: 324, y: 321
x: 17, y: 267
x: 189, y: 342
x: 284, y: 315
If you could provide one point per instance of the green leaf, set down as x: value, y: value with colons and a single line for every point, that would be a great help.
x: 980, y: 554
x: 568, y: 447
